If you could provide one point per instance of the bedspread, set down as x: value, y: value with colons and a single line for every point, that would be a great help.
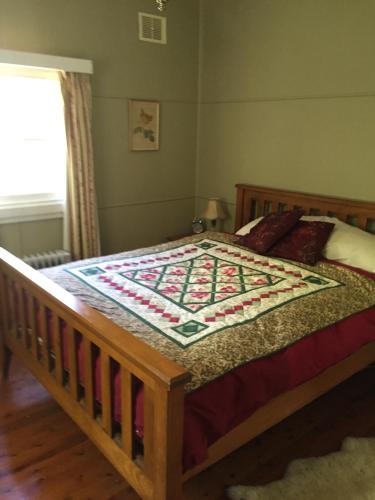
x: 211, y: 305
x: 215, y: 408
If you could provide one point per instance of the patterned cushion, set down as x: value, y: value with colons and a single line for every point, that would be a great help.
x: 304, y: 243
x: 269, y: 230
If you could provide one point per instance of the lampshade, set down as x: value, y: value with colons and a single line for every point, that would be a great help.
x: 214, y: 210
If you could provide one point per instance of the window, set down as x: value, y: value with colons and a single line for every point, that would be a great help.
x: 32, y: 144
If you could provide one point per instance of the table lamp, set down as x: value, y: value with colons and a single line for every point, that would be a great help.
x: 214, y: 211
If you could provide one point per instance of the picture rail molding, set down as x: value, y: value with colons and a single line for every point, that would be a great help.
x: 45, y: 61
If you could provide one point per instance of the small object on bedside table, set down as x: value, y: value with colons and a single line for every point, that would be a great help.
x: 198, y: 226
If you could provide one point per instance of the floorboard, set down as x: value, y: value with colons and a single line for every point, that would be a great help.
x: 44, y: 456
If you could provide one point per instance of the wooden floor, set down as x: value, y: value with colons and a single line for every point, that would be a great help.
x: 44, y: 456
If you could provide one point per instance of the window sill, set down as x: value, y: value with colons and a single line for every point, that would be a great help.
x: 13, y: 214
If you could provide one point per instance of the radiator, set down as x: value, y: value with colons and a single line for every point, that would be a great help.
x: 48, y: 259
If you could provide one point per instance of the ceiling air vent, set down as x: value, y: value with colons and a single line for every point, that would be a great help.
x: 152, y: 28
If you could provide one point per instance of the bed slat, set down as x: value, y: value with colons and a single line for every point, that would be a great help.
x: 20, y: 314
x: 32, y: 325
x: 88, y: 377
x: 56, y: 336
x: 127, y: 412
x: 45, y: 357
x: 12, y: 300
x: 362, y: 221
x: 106, y: 391
x: 72, y: 353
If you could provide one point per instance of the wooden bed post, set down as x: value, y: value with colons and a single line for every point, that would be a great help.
x: 164, y: 415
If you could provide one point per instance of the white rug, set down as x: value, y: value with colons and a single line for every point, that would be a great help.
x: 348, y: 474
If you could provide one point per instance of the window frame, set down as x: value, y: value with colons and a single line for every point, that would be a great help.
x: 30, y: 206
x: 32, y: 209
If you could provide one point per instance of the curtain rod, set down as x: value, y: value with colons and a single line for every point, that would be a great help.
x: 46, y: 61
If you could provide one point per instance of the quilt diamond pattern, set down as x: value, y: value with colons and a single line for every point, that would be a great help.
x: 197, y: 289
x: 198, y: 282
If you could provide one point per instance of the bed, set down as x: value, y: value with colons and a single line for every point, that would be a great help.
x: 159, y: 473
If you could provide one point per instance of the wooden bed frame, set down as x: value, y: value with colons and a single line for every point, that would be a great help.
x: 159, y: 475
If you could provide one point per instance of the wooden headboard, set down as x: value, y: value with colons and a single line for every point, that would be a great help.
x: 255, y: 201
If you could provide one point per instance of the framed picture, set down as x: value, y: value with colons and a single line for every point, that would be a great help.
x: 144, y: 125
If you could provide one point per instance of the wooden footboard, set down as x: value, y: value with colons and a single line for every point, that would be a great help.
x: 35, y: 314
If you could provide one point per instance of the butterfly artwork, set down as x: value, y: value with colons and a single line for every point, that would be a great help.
x: 145, y: 118
x: 143, y: 125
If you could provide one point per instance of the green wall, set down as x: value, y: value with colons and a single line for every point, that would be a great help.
x: 143, y: 197
x: 271, y: 92
x: 287, y: 97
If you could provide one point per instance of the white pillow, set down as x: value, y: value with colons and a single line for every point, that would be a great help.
x: 351, y: 246
x: 247, y: 228
x: 347, y: 244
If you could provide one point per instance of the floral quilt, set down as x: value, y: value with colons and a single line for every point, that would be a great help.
x: 212, y: 305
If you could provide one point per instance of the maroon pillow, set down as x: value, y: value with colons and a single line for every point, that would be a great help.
x: 304, y: 243
x: 270, y: 229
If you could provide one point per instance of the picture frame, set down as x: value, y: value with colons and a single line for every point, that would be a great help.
x: 144, y: 117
